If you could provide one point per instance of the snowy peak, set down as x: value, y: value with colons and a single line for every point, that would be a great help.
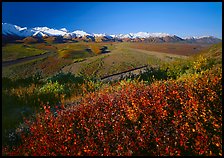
x: 202, y: 39
x: 49, y: 31
x: 39, y: 34
x: 22, y: 32
x: 64, y: 30
x: 147, y: 35
x: 17, y: 30
x: 130, y: 35
x: 198, y: 37
x: 9, y: 29
x: 80, y: 33
x: 20, y: 28
x: 99, y: 34
x: 141, y: 35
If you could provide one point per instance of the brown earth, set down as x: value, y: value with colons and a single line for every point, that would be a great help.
x: 171, y: 48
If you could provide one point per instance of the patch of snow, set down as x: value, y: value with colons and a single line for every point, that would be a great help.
x: 198, y: 37
x: 147, y: 35
x: 40, y: 34
x: 99, y: 35
x: 9, y: 29
x: 64, y: 30
x: 49, y: 31
x: 113, y: 36
x: 80, y: 33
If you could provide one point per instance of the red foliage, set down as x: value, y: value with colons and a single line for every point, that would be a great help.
x: 165, y: 118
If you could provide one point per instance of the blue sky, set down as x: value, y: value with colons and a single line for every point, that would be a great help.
x: 179, y: 18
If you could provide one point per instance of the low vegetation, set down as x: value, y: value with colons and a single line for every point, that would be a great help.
x: 15, y: 51
x: 172, y: 109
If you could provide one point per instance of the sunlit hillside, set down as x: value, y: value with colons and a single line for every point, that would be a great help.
x: 173, y: 109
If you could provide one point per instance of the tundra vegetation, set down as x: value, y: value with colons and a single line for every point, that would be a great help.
x: 58, y: 106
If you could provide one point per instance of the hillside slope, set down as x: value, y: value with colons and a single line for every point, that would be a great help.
x: 177, y: 116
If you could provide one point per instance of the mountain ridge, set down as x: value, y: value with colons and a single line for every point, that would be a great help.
x: 10, y: 31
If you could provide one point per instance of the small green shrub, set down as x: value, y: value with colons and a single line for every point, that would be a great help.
x: 51, y: 87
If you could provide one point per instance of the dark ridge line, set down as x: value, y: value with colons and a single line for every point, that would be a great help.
x: 124, y: 72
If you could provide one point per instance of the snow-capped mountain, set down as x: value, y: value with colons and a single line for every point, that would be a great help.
x: 147, y: 35
x: 80, y: 33
x: 49, y: 31
x: 124, y: 36
x: 140, y: 35
x: 202, y: 39
x: 9, y: 29
x: 40, y: 34
x: 198, y: 37
x: 99, y: 35
x: 64, y: 30
x: 13, y: 31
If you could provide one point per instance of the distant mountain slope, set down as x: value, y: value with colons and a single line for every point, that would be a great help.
x: 203, y: 39
x: 11, y: 33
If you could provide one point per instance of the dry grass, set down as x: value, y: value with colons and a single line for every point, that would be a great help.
x: 171, y: 48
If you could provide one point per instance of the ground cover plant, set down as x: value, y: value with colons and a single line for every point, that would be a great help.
x: 173, y: 109
x: 22, y: 97
x: 15, y: 51
x: 165, y: 118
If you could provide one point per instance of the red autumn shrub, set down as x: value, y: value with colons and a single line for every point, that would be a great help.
x: 164, y: 118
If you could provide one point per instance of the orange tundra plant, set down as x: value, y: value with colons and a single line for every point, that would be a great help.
x: 132, y: 118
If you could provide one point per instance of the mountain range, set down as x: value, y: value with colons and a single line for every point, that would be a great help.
x: 14, y: 33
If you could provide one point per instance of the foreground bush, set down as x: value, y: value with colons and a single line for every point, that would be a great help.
x: 165, y: 118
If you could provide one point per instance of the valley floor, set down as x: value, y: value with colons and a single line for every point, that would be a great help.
x: 121, y: 57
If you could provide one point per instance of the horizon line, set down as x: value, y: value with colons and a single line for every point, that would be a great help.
x: 68, y: 31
